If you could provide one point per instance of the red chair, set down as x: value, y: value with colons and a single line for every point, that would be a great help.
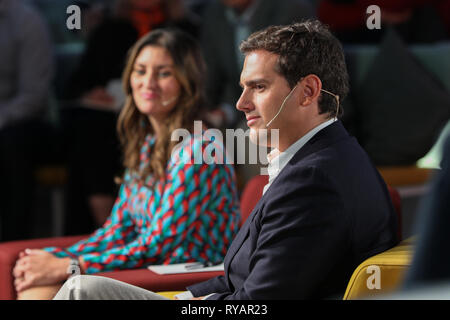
x: 9, y: 252
x: 143, y: 278
x: 251, y: 194
x: 397, y: 202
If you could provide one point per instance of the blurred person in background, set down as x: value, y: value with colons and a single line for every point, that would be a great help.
x: 95, y: 97
x: 25, y: 77
x: 169, y: 210
x: 416, y: 20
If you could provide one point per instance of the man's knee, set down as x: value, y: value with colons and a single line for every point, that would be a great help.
x: 79, y: 287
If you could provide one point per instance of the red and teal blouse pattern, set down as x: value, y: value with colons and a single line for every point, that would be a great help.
x: 192, y: 216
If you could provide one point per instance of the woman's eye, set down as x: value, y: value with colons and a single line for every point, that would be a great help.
x: 140, y: 72
x: 164, y: 74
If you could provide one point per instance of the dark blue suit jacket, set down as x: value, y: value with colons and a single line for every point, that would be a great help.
x: 326, y: 212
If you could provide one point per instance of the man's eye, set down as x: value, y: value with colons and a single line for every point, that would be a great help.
x: 260, y: 87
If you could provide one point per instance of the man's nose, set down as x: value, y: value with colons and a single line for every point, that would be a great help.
x: 244, y: 103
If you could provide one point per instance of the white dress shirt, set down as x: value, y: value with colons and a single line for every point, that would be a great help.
x: 278, y: 160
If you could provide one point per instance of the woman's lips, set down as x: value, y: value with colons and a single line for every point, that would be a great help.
x: 149, y: 95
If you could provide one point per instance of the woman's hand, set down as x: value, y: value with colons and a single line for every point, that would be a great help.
x: 39, y: 268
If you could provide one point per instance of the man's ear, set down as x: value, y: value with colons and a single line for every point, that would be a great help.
x: 311, y: 85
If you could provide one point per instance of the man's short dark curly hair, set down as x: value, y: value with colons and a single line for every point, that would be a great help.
x: 306, y: 48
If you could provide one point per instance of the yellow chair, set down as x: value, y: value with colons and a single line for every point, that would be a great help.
x: 169, y: 294
x: 389, y: 266
x: 398, y: 176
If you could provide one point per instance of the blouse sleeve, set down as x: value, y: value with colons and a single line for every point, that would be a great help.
x: 118, y: 230
x: 190, y: 190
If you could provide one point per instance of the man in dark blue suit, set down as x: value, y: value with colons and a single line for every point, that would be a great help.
x: 325, y: 208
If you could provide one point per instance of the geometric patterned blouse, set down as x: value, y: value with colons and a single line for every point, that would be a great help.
x: 191, y: 216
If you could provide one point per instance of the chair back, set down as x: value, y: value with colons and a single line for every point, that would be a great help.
x: 251, y: 194
x: 397, y: 203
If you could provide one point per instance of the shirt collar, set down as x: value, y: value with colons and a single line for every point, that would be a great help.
x: 278, y: 160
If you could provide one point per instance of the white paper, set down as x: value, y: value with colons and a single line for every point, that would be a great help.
x: 181, y: 268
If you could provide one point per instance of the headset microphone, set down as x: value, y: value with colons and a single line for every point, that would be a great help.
x: 336, y: 96
x: 281, y: 107
x: 167, y: 102
x: 290, y: 93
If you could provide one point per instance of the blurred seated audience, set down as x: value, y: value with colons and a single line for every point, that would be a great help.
x: 25, y: 77
x: 89, y: 119
x: 169, y: 210
x: 95, y: 96
x: 146, y: 15
x: 417, y: 21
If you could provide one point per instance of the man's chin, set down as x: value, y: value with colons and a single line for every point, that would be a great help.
x: 262, y: 137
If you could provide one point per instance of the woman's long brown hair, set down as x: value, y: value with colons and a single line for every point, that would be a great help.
x: 133, y: 126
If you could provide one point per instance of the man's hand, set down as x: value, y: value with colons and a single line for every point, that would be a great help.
x: 39, y: 268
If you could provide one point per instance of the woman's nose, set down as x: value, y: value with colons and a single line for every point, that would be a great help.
x: 150, y: 82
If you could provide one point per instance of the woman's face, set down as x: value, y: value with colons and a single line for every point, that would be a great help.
x: 155, y: 88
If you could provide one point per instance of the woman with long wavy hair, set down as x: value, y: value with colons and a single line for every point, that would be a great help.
x: 168, y: 210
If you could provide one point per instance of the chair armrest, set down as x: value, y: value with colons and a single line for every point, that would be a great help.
x: 9, y: 252
x: 392, y: 264
x: 169, y: 294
